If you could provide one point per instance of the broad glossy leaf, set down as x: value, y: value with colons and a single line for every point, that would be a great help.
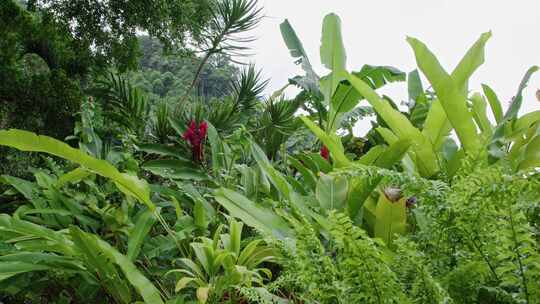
x: 174, y: 169
x: 391, y: 219
x: 252, y: 214
x: 275, y: 177
x: 332, y: 50
x: 346, y: 97
x: 472, y: 60
x: 162, y: 150
x: 216, y: 147
x: 393, y: 154
x: 371, y: 156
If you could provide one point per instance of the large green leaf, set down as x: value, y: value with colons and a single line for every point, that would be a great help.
x: 346, y: 97
x: 494, y: 102
x: 331, y: 191
x: 425, y: 158
x: 174, y: 169
x: 12, y: 268
x: 332, y: 50
x: 28, y: 141
x: 72, y: 176
x: 391, y: 218
x: 393, y: 154
x: 54, y: 241
x: 308, y: 176
x: 297, y: 51
x: 331, y: 141
x: 451, y: 90
x: 498, y: 146
x: 138, y: 233
x: 414, y: 85
x: 96, y: 262
x: 216, y: 147
x: 332, y: 54
x: 162, y: 150
x: 473, y: 59
x: 94, y: 247
x: 254, y: 215
x: 437, y: 126
x: 275, y: 177
x: 531, y: 158
x: 479, y: 106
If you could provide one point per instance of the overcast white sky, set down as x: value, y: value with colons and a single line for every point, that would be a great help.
x: 374, y: 32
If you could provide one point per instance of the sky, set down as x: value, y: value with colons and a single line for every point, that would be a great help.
x: 374, y: 33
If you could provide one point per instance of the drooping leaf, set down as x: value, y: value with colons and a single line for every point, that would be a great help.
x: 28, y: 141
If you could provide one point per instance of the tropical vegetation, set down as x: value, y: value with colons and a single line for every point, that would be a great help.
x: 169, y: 186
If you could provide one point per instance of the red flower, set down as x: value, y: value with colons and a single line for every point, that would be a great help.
x: 325, y: 153
x: 196, y: 135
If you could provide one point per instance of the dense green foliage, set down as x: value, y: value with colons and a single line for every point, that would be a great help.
x: 232, y: 198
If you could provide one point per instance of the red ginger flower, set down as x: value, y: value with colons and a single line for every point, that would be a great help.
x: 196, y: 135
x: 325, y: 153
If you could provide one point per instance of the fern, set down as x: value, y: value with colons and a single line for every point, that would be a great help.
x: 415, y: 275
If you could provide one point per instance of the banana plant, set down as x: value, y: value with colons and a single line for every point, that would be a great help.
x: 332, y: 96
x: 509, y: 138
